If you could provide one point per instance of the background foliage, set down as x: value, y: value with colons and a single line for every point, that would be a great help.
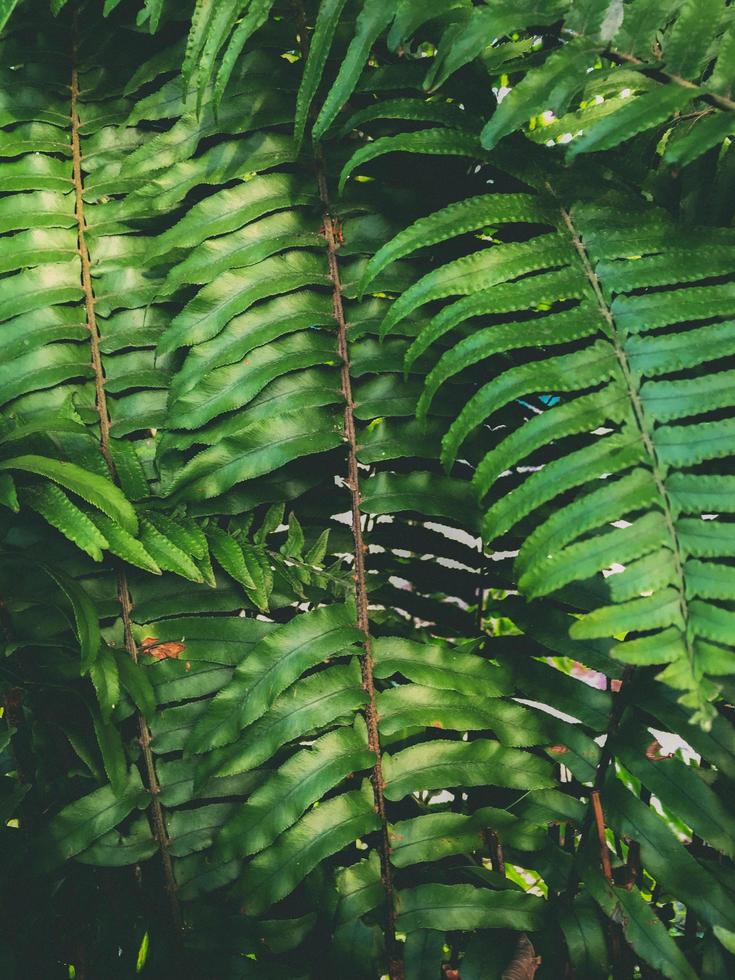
x: 366, y: 438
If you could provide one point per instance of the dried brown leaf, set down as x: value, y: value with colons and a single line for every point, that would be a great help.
x: 524, y: 964
x: 161, y: 651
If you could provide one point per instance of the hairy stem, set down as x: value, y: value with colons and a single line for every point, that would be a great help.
x: 332, y: 233
x: 126, y: 605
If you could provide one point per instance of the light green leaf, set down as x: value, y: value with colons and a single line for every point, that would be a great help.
x: 96, y: 490
x: 441, y: 764
x: 287, y: 794
x: 274, y: 873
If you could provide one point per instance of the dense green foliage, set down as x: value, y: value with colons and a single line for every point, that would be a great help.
x: 366, y: 489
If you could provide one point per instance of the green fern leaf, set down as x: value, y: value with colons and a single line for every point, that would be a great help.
x: 277, y: 662
x: 639, y: 114
x: 166, y: 554
x: 456, y: 219
x: 441, y: 764
x: 123, y: 544
x: 318, y: 700
x: 437, y: 906
x: 255, y: 16
x: 550, y: 86
x: 372, y: 19
x: 438, y: 142
x: 81, y: 823
x: 94, y: 489
x: 472, y: 36
x: 56, y: 508
x: 292, y: 789
x: 275, y: 872
x: 234, y: 292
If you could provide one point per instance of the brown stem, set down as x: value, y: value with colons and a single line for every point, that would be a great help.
x: 618, y: 949
x: 601, y: 835
x: 332, y: 233
x: 157, y: 815
x: 156, y: 811
x: 661, y: 75
x: 497, y: 858
x: 606, y: 757
x: 94, y: 338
